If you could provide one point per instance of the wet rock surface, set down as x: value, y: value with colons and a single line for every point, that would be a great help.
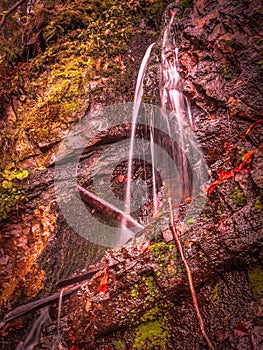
x: 147, y: 304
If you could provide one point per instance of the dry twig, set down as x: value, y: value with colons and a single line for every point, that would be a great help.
x: 190, y: 279
x: 9, y: 12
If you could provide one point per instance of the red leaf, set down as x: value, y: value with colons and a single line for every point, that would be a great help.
x: 17, y: 325
x: 212, y: 186
x: 103, y: 283
x: 224, y: 175
x: 72, y: 336
x: 241, y: 330
x: 103, y: 288
x: 92, y: 318
x: 252, y: 126
x: 179, y: 280
x: 5, y: 330
x: 247, y: 170
x: 121, y: 178
x: 188, y: 199
x: 222, y: 226
x: 222, y: 335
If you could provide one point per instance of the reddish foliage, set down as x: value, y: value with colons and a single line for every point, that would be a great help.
x: 252, y: 126
x: 92, y: 318
x: 5, y: 330
x: 244, y: 329
x: 121, y: 178
x: 72, y: 336
x: 103, y: 287
x: 222, y: 226
x: 224, y: 175
x: 241, y: 330
x: 222, y: 335
x: 188, y: 199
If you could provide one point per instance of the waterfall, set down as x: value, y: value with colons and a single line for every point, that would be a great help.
x: 176, y: 106
x: 137, y: 102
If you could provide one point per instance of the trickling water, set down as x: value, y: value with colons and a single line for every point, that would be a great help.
x: 154, y: 190
x: 57, y: 340
x: 174, y: 100
x: 137, y: 102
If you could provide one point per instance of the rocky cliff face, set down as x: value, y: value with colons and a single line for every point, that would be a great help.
x: 147, y: 304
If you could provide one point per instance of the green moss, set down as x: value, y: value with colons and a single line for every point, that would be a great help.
x: 134, y: 291
x: 214, y: 293
x: 255, y: 276
x: 241, y: 150
x: 238, y: 197
x: 258, y: 206
x: 184, y: 4
x: 151, y: 315
x: 10, y: 193
x: 84, y: 56
x: 160, y: 250
x: 260, y: 63
x: 152, y: 288
x: 190, y: 221
x: 227, y: 73
x: 119, y: 344
x: 151, y: 335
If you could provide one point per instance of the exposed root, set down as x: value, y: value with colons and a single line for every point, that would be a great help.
x: 190, y: 279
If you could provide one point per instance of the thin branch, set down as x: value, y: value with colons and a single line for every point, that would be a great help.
x: 190, y: 278
x: 37, y: 304
x: 81, y: 277
x: 107, y: 208
x: 8, y: 12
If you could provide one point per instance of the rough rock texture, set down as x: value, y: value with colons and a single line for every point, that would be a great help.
x: 149, y: 307
x: 147, y: 304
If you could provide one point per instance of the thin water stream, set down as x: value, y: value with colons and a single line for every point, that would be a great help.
x: 137, y: 102
x: 57, y: 339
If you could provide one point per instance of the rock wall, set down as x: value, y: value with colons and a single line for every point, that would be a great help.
x: 147, y: 304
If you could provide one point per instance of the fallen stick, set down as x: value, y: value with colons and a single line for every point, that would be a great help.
x: 38, y: 304
x: 82, y: 276
x: 9, y: 11
x: 190, y: 278
x: 107, y: 208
